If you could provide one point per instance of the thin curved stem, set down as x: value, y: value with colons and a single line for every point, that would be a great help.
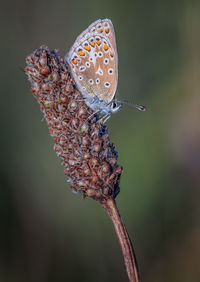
x: 124, y: 240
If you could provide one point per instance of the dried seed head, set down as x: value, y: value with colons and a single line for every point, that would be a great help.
x: 45, y: 70
x: 82, y: 142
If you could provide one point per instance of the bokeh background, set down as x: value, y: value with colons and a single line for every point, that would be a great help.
x: 49, y: 234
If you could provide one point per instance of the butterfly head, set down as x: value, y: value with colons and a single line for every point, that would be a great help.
x: 115, y: 106
x: 102, y: 106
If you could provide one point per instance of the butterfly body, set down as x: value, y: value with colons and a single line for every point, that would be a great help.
x: 93, y: 62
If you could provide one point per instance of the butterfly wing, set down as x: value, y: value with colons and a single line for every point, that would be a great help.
x: 94, y: 62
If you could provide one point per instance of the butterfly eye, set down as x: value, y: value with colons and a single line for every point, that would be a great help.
x: 114, y: 105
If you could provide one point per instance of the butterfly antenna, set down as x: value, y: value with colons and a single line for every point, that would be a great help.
x: 137, y: 106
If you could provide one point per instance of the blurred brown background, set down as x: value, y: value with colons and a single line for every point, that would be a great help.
x: 49, y: 234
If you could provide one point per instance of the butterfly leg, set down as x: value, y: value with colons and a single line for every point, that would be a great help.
x: 105, y: 118
x: 92, y: 115
x: 80, y: 100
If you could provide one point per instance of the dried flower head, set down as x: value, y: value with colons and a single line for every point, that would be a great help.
x: 81, y: 139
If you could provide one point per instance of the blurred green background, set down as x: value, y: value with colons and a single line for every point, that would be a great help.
x: 49, y: 234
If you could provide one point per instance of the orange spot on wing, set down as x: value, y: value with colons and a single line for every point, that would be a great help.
x: 87, y: 48
x: 111, y: 54
x: 98, y: 42
x: 105, y: 47
x: 81, y: 53
x: 74, y: 62
x: 92, y: 43
x: 100, y: 30
x: 107, y: 30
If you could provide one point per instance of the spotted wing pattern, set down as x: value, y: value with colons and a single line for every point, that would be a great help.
x: 94, y: 62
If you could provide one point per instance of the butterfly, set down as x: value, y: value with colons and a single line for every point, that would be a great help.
x: 93, y: 62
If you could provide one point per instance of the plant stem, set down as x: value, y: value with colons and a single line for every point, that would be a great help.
x: 127, y: 249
